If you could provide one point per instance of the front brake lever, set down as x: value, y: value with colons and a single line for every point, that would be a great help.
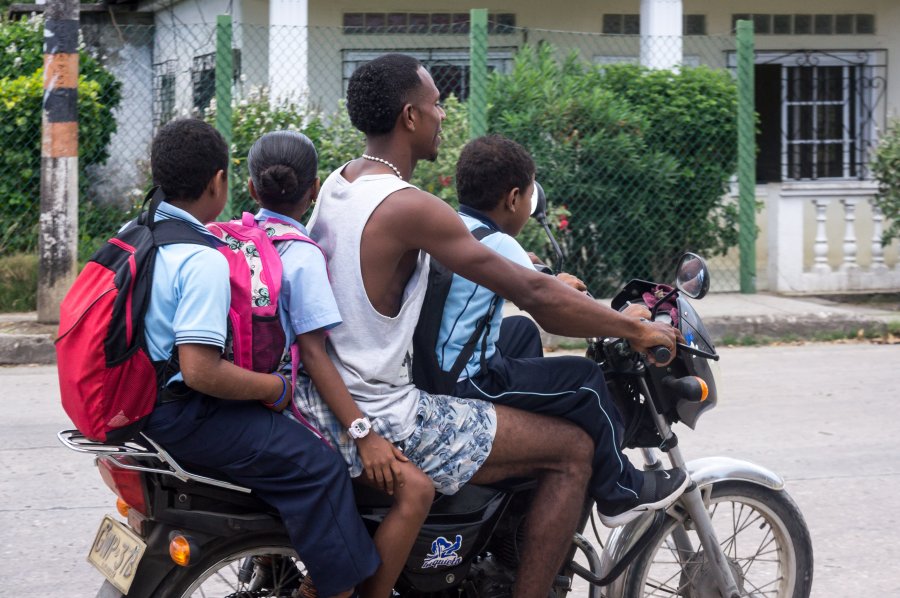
x: 697, y: 352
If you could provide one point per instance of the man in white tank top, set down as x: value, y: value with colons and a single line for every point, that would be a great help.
x: 376, y: 229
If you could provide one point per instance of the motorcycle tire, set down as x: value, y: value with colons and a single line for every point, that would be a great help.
x: 761, y: 519
x: 270, y: 567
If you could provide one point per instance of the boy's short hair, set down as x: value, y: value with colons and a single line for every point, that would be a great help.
x: 378, y: 90
x: 488, y: 168
x: 186, y: 154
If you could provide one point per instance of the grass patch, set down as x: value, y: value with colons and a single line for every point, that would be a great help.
x: 18, y: 282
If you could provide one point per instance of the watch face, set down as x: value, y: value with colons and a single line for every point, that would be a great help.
x: 360, y: 428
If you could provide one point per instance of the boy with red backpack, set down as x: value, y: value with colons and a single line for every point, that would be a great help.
x: 214, y: 415
x: 283, y: 180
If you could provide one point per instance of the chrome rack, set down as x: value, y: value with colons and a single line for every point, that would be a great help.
x: 76, y: 441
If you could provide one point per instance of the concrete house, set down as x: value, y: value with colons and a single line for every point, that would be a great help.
x: 825, y: 88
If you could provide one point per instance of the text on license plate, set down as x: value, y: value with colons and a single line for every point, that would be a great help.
x: 116, y: 552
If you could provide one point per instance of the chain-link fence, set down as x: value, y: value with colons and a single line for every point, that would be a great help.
x: 635, y: 162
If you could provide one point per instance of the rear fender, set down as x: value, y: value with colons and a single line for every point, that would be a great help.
x: 704, y: 472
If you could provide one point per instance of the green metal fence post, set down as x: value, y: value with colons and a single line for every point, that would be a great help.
x: 746, y: 119
x: 224, y: 81
x: 477, y: 102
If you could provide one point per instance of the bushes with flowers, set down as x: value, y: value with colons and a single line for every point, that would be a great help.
x: 21, y: 94
x: 641, y: 158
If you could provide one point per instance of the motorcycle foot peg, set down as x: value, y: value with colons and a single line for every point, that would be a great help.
x: 564, y: 582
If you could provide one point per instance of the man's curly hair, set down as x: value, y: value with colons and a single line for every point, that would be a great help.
x: 378, y: 90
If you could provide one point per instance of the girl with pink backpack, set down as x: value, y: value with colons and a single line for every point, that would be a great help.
x: 283, y: 180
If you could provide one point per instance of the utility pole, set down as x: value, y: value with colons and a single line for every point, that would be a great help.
x: 58, y: 231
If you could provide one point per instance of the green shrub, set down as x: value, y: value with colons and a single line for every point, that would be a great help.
x: 336, y: 141
x: 639, y: 158
x: 18, y: 282
x: 886, y: 169
x: 21, y: 94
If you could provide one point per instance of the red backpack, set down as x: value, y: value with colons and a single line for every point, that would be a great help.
x: 107, y: 380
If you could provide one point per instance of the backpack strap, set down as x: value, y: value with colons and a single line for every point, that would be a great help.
x: 482, y: 326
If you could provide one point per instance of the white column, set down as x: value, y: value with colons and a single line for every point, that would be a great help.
x: 661, y: 31
x: 878, y: 266
x: 288, y: 50
x: 786, y: 243
x: 849, y: 234
x: 820, y: 249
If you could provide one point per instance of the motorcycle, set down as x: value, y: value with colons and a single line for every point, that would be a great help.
x: 735, y: 532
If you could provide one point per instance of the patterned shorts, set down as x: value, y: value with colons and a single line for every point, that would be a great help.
x: 452, y: 439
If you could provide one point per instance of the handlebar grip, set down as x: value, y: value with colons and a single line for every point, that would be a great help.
x: 661, y: 354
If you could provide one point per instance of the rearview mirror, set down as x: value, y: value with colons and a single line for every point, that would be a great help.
x: 538, y: 203
x: 692, y: 276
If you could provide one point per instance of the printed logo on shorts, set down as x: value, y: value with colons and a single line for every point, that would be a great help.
x: 443, y: 553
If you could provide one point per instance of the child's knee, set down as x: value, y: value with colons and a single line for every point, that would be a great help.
x: 417, y: 494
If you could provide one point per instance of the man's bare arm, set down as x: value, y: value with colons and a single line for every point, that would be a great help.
x: 422, y: 221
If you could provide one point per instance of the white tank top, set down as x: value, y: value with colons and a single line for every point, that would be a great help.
x: 372, y: 352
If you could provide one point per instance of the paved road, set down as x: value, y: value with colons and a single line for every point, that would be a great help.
x: 823, y: 416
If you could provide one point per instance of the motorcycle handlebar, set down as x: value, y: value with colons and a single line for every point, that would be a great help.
x: 660, y: 354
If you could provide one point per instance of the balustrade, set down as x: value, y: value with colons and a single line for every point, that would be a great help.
x: 787, y: 240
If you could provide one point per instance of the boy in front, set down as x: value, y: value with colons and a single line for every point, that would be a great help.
x: 495, y: 183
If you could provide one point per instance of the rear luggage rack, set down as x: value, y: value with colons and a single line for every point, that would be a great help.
x: 142, y: 456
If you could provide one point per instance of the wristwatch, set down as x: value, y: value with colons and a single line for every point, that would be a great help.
x: 360, y: 428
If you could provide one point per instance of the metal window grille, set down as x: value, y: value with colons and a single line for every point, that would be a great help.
x: 449, y: 68
x: 819, y: 113
x: 163, y: 92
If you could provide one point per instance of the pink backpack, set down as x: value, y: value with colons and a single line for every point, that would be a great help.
x: 256, y: 338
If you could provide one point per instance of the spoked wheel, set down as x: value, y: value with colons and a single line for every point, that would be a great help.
x: 258, y: 568
x: 762, y: 534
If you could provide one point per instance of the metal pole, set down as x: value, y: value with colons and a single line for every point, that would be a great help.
x: 58, y: 228
x: 478, y: 42
x: 746, y: 121
x: 224, y: 82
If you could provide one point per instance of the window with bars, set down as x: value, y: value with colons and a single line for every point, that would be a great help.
x: 439, y: 23
x: 630, y: 24
x: 203, y: 77
x: 448, y: 67
x: 818, y: 113
x: 808, y: 24
x: 163, y: 92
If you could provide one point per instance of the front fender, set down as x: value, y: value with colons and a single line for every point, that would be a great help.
x: 704, y: 472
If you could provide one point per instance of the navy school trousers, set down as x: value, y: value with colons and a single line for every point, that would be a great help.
x: 569, y: 387
x: 285, y: 465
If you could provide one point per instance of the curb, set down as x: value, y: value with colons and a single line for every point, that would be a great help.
x: 794, y: 327
x: 773, y: 328
x: 23, y: 349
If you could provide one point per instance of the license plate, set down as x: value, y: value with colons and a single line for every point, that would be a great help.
x: 116, y: 552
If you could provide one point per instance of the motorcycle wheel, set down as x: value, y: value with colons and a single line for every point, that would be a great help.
x: 254, y: 567
x: 763, y: 536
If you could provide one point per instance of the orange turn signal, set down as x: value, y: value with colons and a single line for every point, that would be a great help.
x: 180, y: 551
x: 705, y: 389
x: 122, y: 507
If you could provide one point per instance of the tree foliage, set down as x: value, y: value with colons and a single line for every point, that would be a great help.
x: 886, y: 169
x: 21, y: 96
x: 640, y: 158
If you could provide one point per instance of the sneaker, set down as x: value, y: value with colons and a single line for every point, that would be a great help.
x: 661, y: 488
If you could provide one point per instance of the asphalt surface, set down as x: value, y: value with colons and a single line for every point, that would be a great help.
x: 820, y: 415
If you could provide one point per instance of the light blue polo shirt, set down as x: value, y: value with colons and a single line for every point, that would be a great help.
x: 190, y: 294
x: 306, y: 302
x: 468, y: 302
